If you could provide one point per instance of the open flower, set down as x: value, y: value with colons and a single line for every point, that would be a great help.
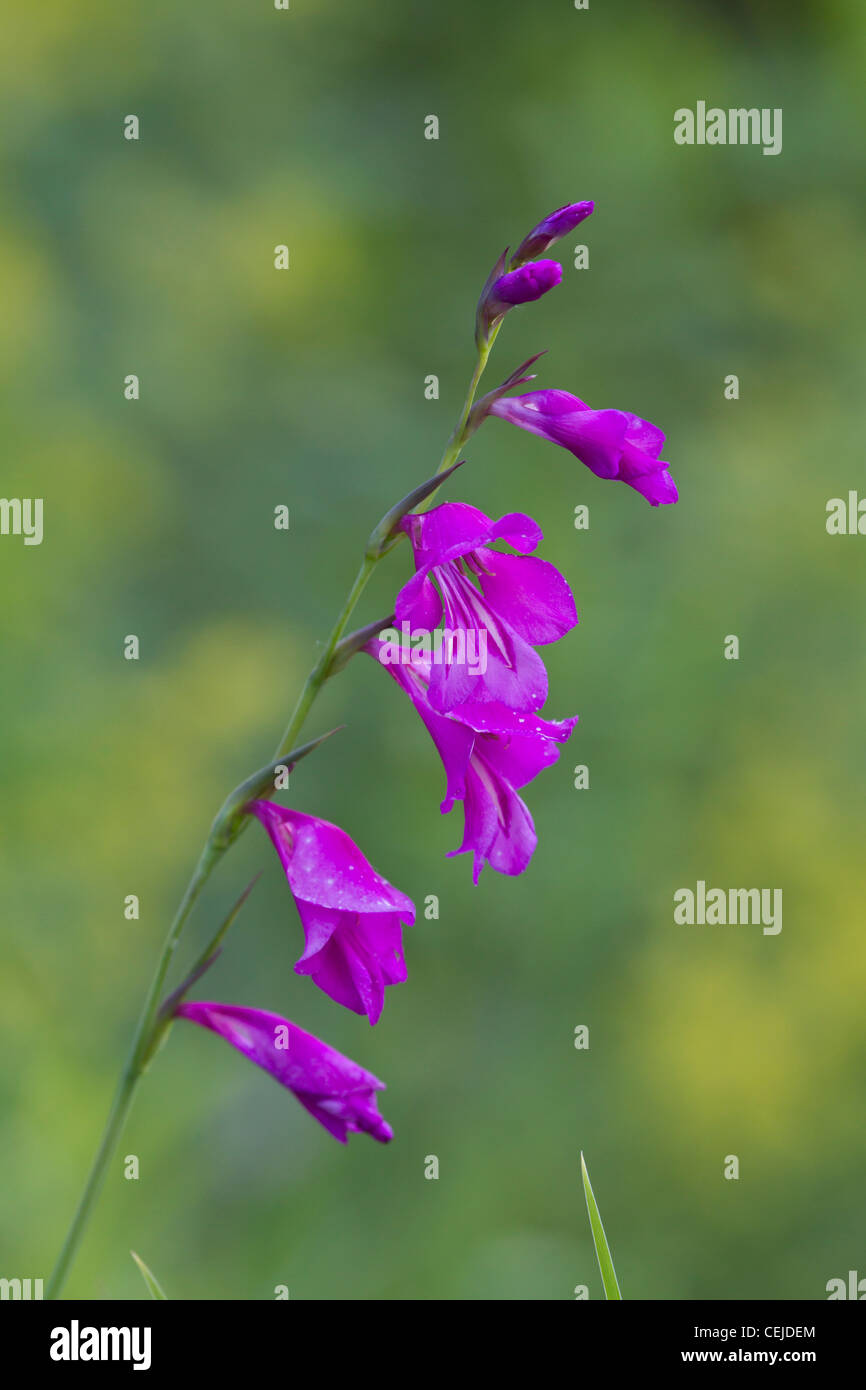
x: 495, y: 606
x: 557, y: 224
x: 351, y: 916
x: 612, y: 443
x: 340, y: 1094
x: 487, y: 752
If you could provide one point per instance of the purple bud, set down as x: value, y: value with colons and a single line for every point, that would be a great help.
x: 557, y: 225
x: 524, y: 285
x: 520, y: 286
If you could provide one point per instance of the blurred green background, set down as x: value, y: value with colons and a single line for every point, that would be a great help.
x: 307, y: 388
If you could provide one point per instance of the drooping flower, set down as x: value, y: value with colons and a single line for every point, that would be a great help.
x: 612, y: 443
x: 522, y: 602
x: 557, y: 224
x: 340, y: 1094
x: 487, y: 752
x: 351, y: 916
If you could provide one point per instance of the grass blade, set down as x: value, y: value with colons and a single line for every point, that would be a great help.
x: 602, y: 1249
x: 154, y: 1287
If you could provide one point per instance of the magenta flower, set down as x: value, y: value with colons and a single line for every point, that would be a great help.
x: 612, y: 443
x: 351, y: 916
x: 339, y: 1093
x: 487, y: 752
x: 496, y: 606
x: 557, y: 225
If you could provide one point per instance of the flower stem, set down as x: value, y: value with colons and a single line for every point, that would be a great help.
x: 114, y: 1125
x: 228, y: 825
x: 459, y: 435
x: 218, y: 842
x: 131, y: 1075
x: 319, y: 674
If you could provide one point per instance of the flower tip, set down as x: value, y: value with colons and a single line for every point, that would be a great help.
x: 658, y: 488
x: 556, y: 225
x: 566, y: 218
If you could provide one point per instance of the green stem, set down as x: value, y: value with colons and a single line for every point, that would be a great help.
x: 228, y: 825
x: 221, y: 837
x: 131, y: 1075
x: 116, y: 1119
x: 319, y: 674
x: 459, y: 435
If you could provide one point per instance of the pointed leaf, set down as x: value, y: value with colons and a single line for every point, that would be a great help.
x: 518, y: 377
x: 602, y: 1249
x: 387, y: 533
x: 154, y: 1287
x: 209, y: 955
x: 232, y: 814
x: 355, y: 642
